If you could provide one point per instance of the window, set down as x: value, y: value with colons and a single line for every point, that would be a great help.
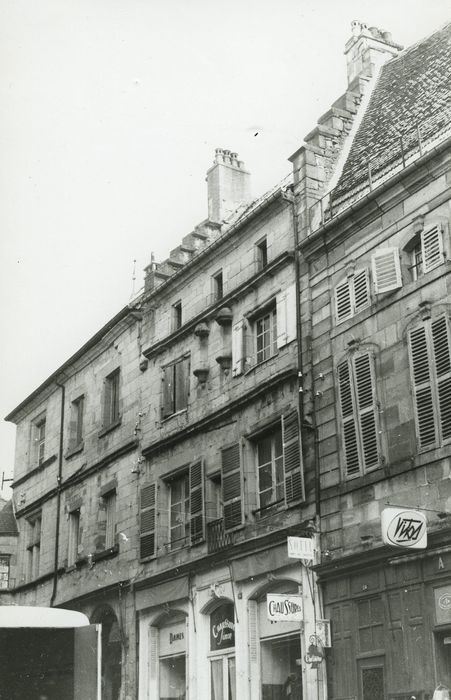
x: 109, y: 501
x: 4, y: 571
x: 175, y: 387
x: 111, y: 407
x: 39, y: 439
x: 33, y: 547
x: 74, y: 537
x: 186, y: 507
x: 218, y: 286
x: 179, y: 511
x: 430, y: 362
x: 427, y: 251
x: 279, y: 467
x: 264, y: 331
x: 76, y: 422
x: 359, y: 416
x: 261, y: 250
x: 352, y: 295
x: 266, y: 336
x: 177, y: 316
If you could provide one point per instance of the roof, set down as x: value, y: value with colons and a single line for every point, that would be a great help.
x: 412, y: 98
x: 8, y: 524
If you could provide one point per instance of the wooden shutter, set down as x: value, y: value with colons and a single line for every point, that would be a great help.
x: 232, y: 487
x: 432, y: 248
x: 422, y: 387
x: 238, y: 347
x: 286, y: 316
x: 196, y: 502
x: 367, y: 410
x: 181, y: 370
x: 147, y: 526
x: 343, y: 305
x: 386, y: 270
x: 361, y: 290
x: 168, y: 391
x: 292, y: 458
x: 350, y: 444
x: 442, y: 359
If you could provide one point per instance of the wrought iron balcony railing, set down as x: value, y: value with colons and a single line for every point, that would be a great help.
x: 217, y: 538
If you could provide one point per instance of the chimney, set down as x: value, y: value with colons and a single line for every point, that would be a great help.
x: 228, y: 185
x: 368, y: 48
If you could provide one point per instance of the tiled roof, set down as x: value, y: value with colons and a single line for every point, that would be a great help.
x: 8, y: 524
x: 412, y: 94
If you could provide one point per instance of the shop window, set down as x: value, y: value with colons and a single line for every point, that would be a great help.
x: 222, y: 653
x: 175, y: 387
x: 359, y: 414
x: 111, y: 399
x: 73, y: 537
x: 430, y: 363
x: 76, y: 422
x: 264, y: 331
x: 4, y: 571
x: 39, y: 427
x: 33, y: 548
x: 177, y: 316
x: 172, y: 660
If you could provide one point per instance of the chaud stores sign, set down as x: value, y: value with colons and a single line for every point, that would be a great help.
x: 284, y: 607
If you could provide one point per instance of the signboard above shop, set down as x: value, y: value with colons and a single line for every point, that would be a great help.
x: 402, y: 527
x: 284, y: 607
x: 300, y: 548
x: 222, y: 627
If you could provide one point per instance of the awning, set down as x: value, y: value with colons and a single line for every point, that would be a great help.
x: 174, y: 589
x: 260, y: 563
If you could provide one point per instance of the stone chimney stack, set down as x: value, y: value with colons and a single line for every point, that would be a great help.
x: 228, y: 185
x: 368, y: 48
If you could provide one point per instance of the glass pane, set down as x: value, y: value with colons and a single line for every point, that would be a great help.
x: 373, y: 683
x: 265, y: 478
x: 173, y: 678
x: 217, y: 691
x: 280, y: 669
x: 231, y: 678
x: 264, y: 451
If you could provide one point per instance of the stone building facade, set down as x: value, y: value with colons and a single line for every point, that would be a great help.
x: 373, y: 193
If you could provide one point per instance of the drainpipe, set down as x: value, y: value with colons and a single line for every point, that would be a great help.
x: 58, y: 496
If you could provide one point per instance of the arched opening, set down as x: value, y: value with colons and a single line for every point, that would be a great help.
x: 222, y: 650
x: 111, y: 653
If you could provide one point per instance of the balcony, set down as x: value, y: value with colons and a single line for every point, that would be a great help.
x: 217, y: 538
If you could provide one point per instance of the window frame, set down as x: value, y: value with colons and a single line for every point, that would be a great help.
x: 177, y: 317
x: 77, y: 422
x: 5, y: 570
x: 276, y: 430
x: 181, y: 478
x: 270, y: 348
x: 110, y: 501
x: 33, y: 545
x: 73, y: 536
x: 218, y: 285
x: 39, y: 438
x: 111, y: 404
x: 172, y: 402
x: 349, y: 284
x: 261, y: 253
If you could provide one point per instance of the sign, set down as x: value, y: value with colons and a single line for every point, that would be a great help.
x: 402, y: 527
x: 323, y: 632
x: 222, y: 627
x: 442, y: 597
x: 300, y: 548
x: 280, y: 606
x: 172, y: 638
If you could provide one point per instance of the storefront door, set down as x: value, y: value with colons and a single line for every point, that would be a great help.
x: 372, y: 679
x: 222, y: 653
x: 223, y: 678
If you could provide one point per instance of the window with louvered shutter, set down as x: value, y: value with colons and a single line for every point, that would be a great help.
x: 359, y: 416
x: 386, y: 270
x: 231, y: 480
x: 352, y: 295
x: 430, y: 360
x: 147, y: 526
x: 292, y: 458
x: 286, y: 316
x: 432, y: 248
x: 196, y: 488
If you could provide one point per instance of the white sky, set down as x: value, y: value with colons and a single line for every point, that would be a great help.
x: 110, y: 111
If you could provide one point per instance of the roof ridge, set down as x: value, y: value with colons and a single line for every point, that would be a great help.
x: 418, y: 42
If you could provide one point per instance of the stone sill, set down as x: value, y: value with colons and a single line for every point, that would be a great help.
x: 109, y: 428
x: 35, y: 470
x: 75, y: 450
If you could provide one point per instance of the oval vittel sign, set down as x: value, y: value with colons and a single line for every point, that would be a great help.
x: 445, y: 601
x: 404, y: 528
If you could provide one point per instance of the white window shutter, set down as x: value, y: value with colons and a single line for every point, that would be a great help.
x: 343, y: 305
x: 286, y: 316
x: 238, y: 348
x: 432, y: 248
x: 441, y: 345
x: 386, y: 270
x: 420, y: 363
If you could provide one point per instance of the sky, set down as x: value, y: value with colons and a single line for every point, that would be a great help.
x: 110, y: 111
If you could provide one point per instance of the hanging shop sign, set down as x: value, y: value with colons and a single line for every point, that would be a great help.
x: 222, y: 627
x: 402, y: 527
x: 284, y: 607
x: 323, y: 632
x: 300, y: 548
